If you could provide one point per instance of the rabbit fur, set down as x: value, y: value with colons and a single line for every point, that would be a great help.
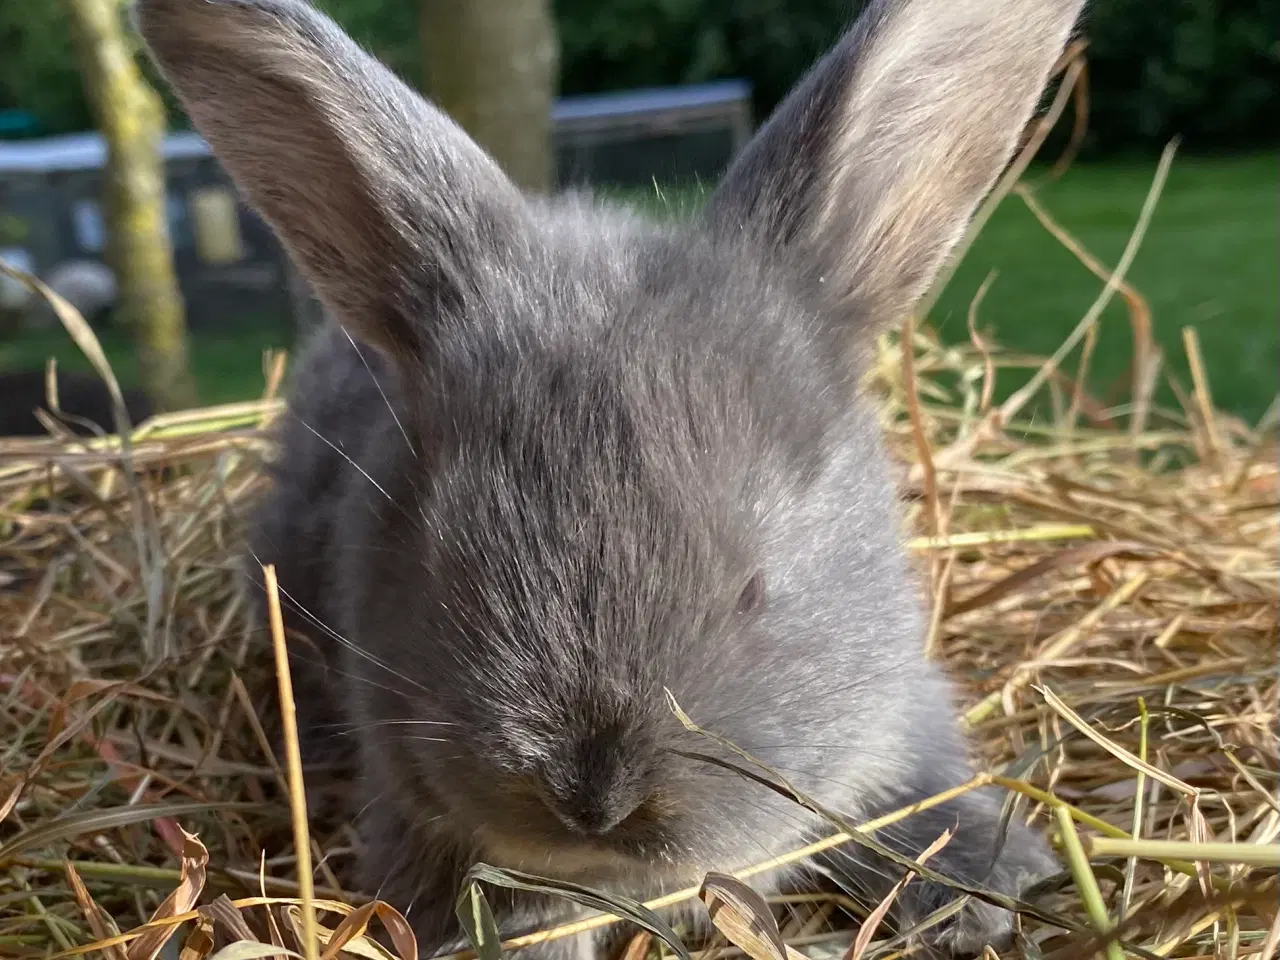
x: 551, y: 460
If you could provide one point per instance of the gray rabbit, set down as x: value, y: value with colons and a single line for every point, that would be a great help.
x: 553, y: 460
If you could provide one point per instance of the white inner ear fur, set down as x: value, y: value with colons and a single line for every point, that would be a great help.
x: 938, y: 98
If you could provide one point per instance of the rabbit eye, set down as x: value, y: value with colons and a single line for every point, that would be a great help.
x: 752, y: 596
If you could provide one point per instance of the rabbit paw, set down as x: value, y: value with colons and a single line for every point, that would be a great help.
x: 1025, y: 861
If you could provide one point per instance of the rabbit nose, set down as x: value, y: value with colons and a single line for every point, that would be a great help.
x: 592, y: 812
x: 596, y: 819
x: 594, y: 781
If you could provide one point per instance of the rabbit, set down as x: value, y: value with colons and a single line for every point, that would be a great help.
x: 551, y: 460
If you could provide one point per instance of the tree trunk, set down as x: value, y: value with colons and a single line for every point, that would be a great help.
x: 493, y: 65
x: 131, y: 118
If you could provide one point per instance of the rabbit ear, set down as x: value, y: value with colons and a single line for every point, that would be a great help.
x: 869, y: 172
x: 387, y: 207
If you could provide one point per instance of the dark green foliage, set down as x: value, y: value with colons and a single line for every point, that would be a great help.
x: 625, y: 43
x: 1206, y: 69
x: 37, y: 66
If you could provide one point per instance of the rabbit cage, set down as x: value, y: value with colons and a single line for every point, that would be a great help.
x: 52, y: 225
x: 666, y: 135
x: 228, y: 262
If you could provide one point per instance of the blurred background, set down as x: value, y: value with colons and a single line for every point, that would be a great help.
x: 107, y: 196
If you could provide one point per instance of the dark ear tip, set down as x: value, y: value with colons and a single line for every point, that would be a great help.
x: 158, y: 21
x: 169, y: 26
x: 152, y: 18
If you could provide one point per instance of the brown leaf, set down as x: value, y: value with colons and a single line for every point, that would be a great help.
x: 251, y: 950
x: 226, y: 914
x: 743, y: 916
x: 876, y: 917
x: 352, y: 925
x: 352, y: 929
x: 195, y: 859
x: 398, y: 929
x: 98, y: 919
x: 638, y: 946
x: 199, y: 944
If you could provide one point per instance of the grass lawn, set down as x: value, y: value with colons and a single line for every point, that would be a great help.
x: 227, y: 365
x: 1208, y: 261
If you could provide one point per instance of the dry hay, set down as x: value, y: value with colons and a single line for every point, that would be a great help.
x: 1104, y: 588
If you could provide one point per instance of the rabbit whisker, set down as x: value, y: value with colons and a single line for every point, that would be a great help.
x: 356, y: 728
x: 390, y: 409
x: 343, y: 640
x: 359, y: 469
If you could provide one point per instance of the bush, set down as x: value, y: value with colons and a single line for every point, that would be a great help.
x: 1206, y: 69
x: 628, y: 43
x: 37, y: 66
